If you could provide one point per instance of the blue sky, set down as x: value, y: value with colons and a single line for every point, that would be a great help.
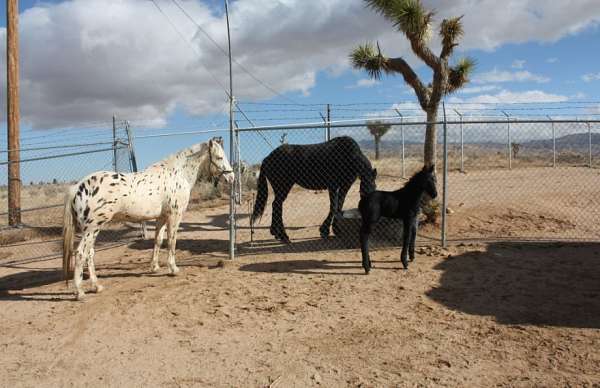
x: 83, y: 61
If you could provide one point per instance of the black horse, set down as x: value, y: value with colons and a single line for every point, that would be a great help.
x: 404, y: 204
x: 333, y: 165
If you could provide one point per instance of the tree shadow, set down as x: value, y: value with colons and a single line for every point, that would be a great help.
x: 525, y: 283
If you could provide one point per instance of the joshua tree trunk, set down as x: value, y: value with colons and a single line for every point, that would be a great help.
x: 429, y: 156
x: 377, y: 142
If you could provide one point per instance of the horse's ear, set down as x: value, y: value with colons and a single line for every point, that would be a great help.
x: 374, y: 173
x: 210, y: 143
x: 432, y: 168
x: 220, y: 140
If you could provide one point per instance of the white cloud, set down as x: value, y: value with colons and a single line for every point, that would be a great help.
x: 591, y: 77
x: 85, y: 60
x: 496, y: 75
x: 507, y: 97
x: 518, y: 64
x: 478, y: 89
x: 364, y: 83
x: 552, y: 60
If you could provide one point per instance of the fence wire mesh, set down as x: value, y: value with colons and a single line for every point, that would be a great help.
x: 508, y: 178
x: 49, y: 165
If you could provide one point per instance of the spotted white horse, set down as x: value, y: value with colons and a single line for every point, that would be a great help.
x: 161, y: 193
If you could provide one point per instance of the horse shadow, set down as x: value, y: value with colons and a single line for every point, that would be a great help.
x: 304, y: 267
x: 525, y: 284
x: 193, y: 246
x: 31, y: 279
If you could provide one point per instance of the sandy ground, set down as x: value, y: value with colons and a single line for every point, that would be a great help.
x: 475, y: 314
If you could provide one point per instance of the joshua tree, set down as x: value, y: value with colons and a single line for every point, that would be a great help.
x: 414, y: 21
x: 378, y: 129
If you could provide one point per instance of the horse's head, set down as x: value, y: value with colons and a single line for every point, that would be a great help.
x: 428, y: 181
x: 367, y: 181
x: 218, y: 163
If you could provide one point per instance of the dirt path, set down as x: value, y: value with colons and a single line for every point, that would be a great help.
x: 510, y: 314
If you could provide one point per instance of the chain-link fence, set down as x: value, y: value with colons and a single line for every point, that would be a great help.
x: 507, y: 178
x: 49, y: 164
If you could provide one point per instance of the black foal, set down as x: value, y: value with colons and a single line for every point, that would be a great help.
x: 404, y: 204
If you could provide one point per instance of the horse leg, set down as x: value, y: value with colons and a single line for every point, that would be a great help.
x: 324, y: 229
x: 172, y: 226
x: 159, y: 234
x: 406, y: 234
x: 277, y: 227
x: 413, y: 237
x: 343, y: 191
x: 96, y: 287
x: 365, y: 230
x: 80, y: 258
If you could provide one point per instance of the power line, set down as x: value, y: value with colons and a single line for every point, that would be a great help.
x: 190, y: 45
x: 224, y: 52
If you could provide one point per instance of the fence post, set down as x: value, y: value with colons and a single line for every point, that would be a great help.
x: 114, y: 130
x: 133, y: 163
x: 508, y: 139
x: 462, y: 149
x: 13, y: 113
x: 328, y: 122
x: 238, y: 164
x: 553, y: 142
x: 325, y: 123
x: 445, y: 183
x: 590, y: 143
x: 402, y: 137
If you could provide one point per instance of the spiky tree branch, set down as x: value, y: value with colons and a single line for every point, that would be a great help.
x: 414, y: 21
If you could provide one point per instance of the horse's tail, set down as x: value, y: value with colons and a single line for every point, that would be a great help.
x: 262, y: 194
x: 68, y: 231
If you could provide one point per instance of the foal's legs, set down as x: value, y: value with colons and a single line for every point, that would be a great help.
x: 172, y: 226
x: 277, y: 228
x: 159, y: 233
x: 406, y: 238
x: 365, y: 231
x: 413, y: 236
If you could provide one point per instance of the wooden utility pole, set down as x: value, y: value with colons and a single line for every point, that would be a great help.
x: 12, y: 74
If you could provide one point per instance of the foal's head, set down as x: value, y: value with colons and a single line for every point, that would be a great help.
x: 426, y: 181
x: 367, y: 181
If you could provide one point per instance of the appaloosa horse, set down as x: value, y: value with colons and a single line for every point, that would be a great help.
x: 160, y: 192
x: 333, y: 165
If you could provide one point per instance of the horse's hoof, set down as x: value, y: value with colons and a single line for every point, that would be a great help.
x: 367, y: 270
x: 80, y: 296
x: 98, y: 289
x: 155, y: 268
x: 174, y: 271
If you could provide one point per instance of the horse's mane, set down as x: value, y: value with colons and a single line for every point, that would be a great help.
x: 177, y: 156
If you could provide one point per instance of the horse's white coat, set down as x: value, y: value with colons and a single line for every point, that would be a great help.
x: 160, y: 192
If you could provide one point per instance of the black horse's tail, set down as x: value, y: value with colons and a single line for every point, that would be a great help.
x: 262, y: 194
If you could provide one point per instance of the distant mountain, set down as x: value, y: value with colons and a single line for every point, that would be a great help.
x: 576, y: 140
